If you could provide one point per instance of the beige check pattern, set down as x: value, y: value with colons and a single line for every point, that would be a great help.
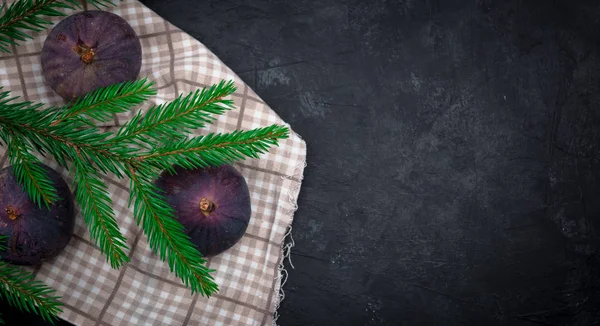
x: 144, y: 292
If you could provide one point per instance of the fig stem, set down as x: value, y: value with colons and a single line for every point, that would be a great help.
x: 12, y: 212
x: 88, y: 56
x: 207, y: 206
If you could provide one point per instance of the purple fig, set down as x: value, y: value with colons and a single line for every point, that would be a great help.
x: 34, y: 234
x: 89, y: 50
x: 213, y: 204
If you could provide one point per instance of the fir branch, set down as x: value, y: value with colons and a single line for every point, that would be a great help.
x: 96, y: 207
x: 30, y: 174
x: 100, y: 4
x: 26, y: 15
x: 25, y: 119
x: 22, y: 291
x: 73, y: 139
x: 179, y: 117
x: 102, y: 103
x: 68, y: 140
x: 215, y: 149
x: 166, y: 236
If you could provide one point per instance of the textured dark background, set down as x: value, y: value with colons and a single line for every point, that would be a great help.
x: 453, y: 153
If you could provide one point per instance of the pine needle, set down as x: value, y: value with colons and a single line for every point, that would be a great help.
x: 30, y: 174
x: 96, y: 207
x: 140, y: 150
x: 180, y: 117
x: 22, y: 291
x: 215, y: 149
x: 101, y: 4
x: 166, y: 236
x: 24, y: 16
x: 102, y: 103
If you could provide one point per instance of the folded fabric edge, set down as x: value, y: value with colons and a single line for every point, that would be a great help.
x: 286, y: 246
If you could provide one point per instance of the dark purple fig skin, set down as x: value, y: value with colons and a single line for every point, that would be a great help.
x: 117, y: 53
x: 36, y: 234
x: 219, y: 230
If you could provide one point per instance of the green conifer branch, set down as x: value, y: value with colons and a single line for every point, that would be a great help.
x: 24, y: 16
x: 176, y: 119
x: 71, y: 140
x: 96, y: 207
x: 21, y: 290
x: 215, y: 149
x: 67, y: 134
x: 166, y: 236
x: 30, y: 174
x: 27, y: 15
x: 102, y: 103
x: 99, y: 4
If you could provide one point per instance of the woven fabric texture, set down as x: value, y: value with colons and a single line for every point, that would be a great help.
x: 144, y: 292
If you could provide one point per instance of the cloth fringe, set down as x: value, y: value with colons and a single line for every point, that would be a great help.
x: 282, y: 274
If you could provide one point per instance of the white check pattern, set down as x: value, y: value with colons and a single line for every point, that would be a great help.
x: 144, y: 292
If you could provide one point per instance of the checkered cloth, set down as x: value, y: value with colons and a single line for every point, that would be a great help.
x: 144, y: 292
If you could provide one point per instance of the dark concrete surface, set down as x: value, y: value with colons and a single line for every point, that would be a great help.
x: 453, y: 153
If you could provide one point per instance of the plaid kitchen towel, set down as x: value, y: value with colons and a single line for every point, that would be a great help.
x: 144, y: 292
